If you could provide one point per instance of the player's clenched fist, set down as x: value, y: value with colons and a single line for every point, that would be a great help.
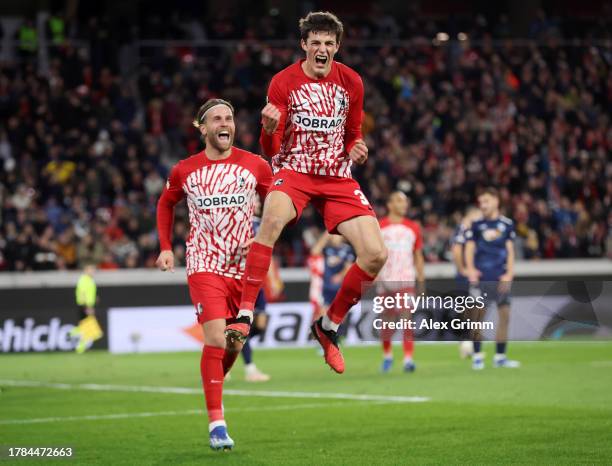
x: 359, y: 152
x: 165, y: 261
x: 270, y: 117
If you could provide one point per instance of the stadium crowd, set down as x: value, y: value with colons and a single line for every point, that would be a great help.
x: 84, y: 150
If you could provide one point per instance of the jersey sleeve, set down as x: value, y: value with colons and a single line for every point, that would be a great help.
x: 470, y: 233
x: 511, y: 231
x: 418, y: 244
x: 352, y: 131
x: 264, y: 180
x: 277, y: 96
x: 459, y: 235
x: 170, y: 196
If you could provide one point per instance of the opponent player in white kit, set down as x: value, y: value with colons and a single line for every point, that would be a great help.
x: 404, y: 269
x: 220, y: 185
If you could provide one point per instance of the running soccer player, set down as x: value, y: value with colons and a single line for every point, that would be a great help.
x: 219, y: 185
x: 404, y: 269
x: 462, y: 284
x: 489, y: 258
x: 311, y: 127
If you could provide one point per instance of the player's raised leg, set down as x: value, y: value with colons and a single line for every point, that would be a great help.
x: 278, y: 211
x: 364, y: 235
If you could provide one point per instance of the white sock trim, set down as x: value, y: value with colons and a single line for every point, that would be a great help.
x: 328, y: 324
x: 247, y: 313
x: 478, y: 355
x: 214, y: 424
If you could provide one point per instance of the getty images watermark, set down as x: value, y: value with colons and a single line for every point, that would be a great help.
x: 448, y: 310
x: 406, y: 303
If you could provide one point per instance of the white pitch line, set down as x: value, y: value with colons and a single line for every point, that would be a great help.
x: 189, y: 412
x: 231, y: 392
x: 42, y: 420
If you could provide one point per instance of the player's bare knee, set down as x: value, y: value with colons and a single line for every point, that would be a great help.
x: 377, y: 258
x: 215, y: 339
x: 270, y: 229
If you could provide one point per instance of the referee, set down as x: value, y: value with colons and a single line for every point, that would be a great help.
x: 86, y: 296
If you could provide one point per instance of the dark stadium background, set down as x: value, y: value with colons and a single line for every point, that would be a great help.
x: 458, y: 95
x: 518, y: 95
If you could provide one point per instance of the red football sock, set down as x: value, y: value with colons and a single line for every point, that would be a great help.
x: 408, y: 343
x: 349, y: 293
x: 211, y: 368
x: 257, y: 265
x: 386, y: 344
x: 229, y: 358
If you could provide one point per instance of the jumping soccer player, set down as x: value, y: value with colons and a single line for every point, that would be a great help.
x: 462, y: 284
x: 219, y: 185
x: 489, y: 258
x: 312, y: 128
x: 404, y: 269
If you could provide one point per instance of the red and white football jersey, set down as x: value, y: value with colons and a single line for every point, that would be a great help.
x: 316, y: 265
x: 220, y: 195
x: 402, y: 240
x: 320, y: 120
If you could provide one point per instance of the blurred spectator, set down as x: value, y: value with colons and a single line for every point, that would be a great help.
x: 84, y: 153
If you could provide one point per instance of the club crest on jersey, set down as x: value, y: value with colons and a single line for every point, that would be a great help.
x: 221, y: 201
x: 241, y: 181
x: 491, y: 234
x: 317, y: 123
x: 278, y: 182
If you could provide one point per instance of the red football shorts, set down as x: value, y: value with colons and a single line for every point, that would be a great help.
x: 214, y: 296
x: 337, y: 199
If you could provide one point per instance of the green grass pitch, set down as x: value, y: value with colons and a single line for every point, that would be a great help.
x: 556, y: 409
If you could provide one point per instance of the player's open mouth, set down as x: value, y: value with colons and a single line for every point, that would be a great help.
x: 224, y: 136
x: 320, y: 59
